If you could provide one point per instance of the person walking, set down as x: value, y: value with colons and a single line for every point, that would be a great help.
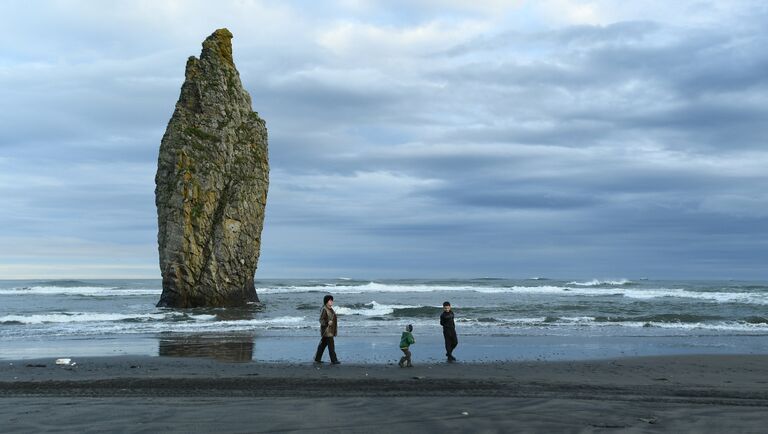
x: 406, y: 340
x: 328, y: 330
x: 449, y: 331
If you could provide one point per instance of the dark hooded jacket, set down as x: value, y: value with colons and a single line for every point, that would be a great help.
x: 446, y: 320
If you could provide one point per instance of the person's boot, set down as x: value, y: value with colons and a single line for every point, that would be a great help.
x: 409, y: 364
x: 400, y: 363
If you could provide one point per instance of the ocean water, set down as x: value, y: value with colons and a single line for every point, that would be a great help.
x: 497, y: 319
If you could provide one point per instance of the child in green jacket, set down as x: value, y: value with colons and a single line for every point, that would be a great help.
x: 406, y: 340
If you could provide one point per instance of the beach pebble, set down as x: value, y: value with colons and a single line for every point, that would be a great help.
x: 465, y: 413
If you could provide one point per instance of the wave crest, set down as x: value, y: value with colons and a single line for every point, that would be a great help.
x: 87, y: 291
x: 596, y: 282
x: 371, y: 309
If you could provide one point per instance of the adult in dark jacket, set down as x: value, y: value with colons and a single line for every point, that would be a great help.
x: 328, y: 330
x: 449, y: 331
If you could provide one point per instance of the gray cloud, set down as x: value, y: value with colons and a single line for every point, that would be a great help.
x: 626, y: 149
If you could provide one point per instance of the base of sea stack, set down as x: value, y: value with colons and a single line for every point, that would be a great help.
x: 702, y: 394
x: 182, y: 299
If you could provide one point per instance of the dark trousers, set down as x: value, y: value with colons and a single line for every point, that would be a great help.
x: 451, y: 340
x: 406, y: 359
x: 326, y: 341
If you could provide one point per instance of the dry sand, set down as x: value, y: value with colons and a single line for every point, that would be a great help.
x: 717, y: 394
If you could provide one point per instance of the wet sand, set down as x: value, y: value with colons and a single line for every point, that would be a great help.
x: 711, y: 393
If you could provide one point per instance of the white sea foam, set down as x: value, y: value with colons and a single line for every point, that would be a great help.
x: 591, y: 289
x: 721, y: 297
x: 646, y: 294
x: 359, y: 289
x: 90, y: 324
x: 74, y: 317
x: 91, y: 291
x: 375, y: 309
x: 595, y: 282
x: 375, y: 287
x: 280, y: 320
x: 723, y: 325
x: 546, y: 290
x: 587, y: 321
x: 223, y: 325
x: 202, y: 317
x: 495, y: 322
x: 296, y: 322
x: 590, y: 322
x: 577, y: 319
x: 736, y: 326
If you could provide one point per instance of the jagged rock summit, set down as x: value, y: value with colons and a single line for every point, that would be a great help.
x: 211, y: 185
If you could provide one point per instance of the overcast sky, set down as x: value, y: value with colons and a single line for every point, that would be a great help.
x: 582, y: 139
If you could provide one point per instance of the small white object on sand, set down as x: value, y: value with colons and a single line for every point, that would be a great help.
x: 63, y: 361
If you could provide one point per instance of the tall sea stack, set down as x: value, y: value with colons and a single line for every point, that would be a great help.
x: 211, y: 185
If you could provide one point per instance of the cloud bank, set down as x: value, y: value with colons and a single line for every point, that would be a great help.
x: 407, y: 139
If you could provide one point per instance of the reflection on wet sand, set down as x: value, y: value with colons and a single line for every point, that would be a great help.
x: 226, y: 348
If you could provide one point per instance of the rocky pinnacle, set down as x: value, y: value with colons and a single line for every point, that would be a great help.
x: 211, y: 185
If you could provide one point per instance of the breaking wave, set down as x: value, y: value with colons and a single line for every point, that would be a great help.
x: 594, y: 288
x: 88, y: 323
x: 619, y: 288
x: 653, y: 321
x: 88, y: 291
x: 371, y: 309
x: 87, y: 317
x: 595, y: 282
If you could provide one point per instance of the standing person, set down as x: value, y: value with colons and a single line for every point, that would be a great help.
x: 328, y: 329
x: 449, y: 331
x: 406, y: 340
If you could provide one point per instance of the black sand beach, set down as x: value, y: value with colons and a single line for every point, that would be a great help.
x: 150, y: 394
